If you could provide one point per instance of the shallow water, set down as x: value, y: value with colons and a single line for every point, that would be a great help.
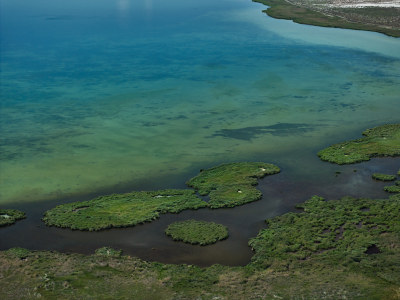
x: 104, y: 96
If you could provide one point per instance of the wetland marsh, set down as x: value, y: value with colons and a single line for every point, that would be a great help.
x: 108, y: 97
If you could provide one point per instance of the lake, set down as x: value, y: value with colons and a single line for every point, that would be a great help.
x: 109, y: 96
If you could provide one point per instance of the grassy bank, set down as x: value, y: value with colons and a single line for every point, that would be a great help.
x: 303, y: 13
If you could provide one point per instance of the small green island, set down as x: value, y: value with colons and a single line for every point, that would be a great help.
x: 377, y: 142
x: 228, y: 185
x: 233, y: 184
x: 197, y: 232
x: 383, y: 177
x: 121, y: 210
x: 10, y: 216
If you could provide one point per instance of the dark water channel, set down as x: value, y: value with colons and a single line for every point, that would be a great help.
x: 280, y: 194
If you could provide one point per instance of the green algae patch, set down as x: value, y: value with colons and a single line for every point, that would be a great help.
x: 121, y: 210
x: 10, y: 216
x: 377, y: 142
x: 232, y: 184
x: 197, y: 232
x: 383, y: 177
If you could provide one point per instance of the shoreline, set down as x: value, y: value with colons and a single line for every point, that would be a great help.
x: 304, y: 14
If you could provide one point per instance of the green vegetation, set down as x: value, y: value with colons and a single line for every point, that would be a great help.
x: 341, y: 231
x: 392, y: 189
x: 383, y: 177
x: 379, y: 141
x: 121, y: 210
x: 229, y: 185
x: 197, y: 232
x: 337, y: 249
x: 108, y: 251
x: 10, y: 216
x: 303, y: 13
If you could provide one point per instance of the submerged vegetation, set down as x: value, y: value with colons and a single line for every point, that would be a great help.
x: 379, y: 141
x: 121, y: 210
x: 336, y: 249
x: 197, y: 232
x: 232, y: 184
x: 10, y: 216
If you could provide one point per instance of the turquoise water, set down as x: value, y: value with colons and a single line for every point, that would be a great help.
x: 104, y: 96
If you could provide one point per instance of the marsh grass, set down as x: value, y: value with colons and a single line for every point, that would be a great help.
x: 383, y: 177
x: 121, y: 210
x: 336, y: 249
x: 197, y: 232
x: 392, y: 189
x: 10, y: 216
x: 379, y: 141
x: 228, y: 185
x: 233, y: 184
x: 336, y: 232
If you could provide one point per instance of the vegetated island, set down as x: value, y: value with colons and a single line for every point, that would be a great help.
x: 379, y: 141
x: 10, y: 216
x: 228, y: 185
x: 347, y: 248
x: 233, y: 184
x: 197, y: 232
x: 121, y: 210
x: 359, y: 15
x: 383, y: 177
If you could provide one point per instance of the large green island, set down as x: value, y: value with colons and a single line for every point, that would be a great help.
x: 228, y: 185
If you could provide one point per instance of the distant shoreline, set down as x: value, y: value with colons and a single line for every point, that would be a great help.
x: 337, y: 17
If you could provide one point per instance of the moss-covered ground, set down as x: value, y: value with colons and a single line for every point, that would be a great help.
x: 304, y: 12
x: 336, y: 249
x: 121, y: 210
x: 232, y: 184
x: 197, y: 232
x: 10, y: 216
x: 379, y: 141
